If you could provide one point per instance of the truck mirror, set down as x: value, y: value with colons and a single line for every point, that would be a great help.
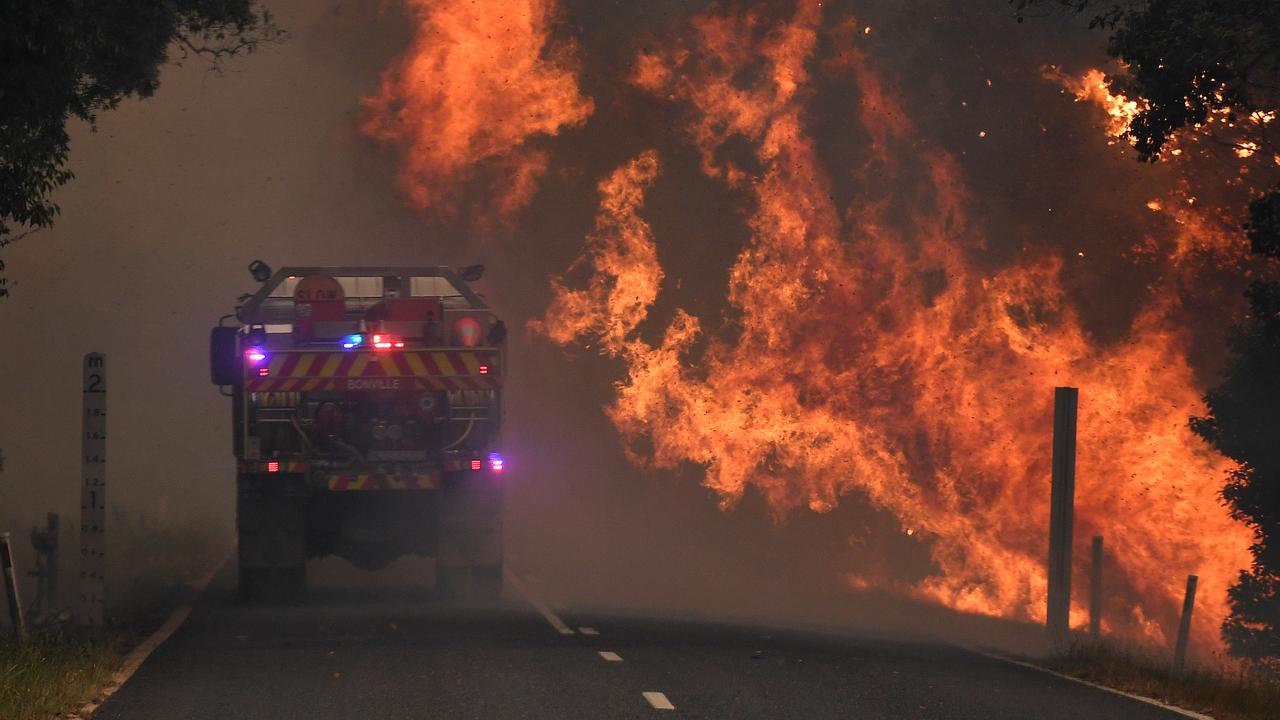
x: 224, y: 356
x: 260, y: 271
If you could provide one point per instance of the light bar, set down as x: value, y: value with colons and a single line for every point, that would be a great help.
x: 352, y: 341
x: 386, y: 342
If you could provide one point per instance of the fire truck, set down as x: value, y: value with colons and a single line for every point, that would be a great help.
x: 366, y: 407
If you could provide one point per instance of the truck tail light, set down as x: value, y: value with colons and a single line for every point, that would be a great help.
x: 476, y: 464
x: 273, y: 466
x: 386, y: 342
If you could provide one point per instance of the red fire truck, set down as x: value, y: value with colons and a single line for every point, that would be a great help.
x: 366, y: 406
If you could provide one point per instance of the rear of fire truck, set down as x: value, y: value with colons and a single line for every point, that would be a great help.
x: 366, y: 406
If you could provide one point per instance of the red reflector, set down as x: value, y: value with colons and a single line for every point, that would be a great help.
x: 484, y: 369
x: 262, y: 372
x: 273, y: 466
x: 476, y: 464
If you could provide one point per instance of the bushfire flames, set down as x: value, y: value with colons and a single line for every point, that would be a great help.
x: 866, y: 351
x: 466, y: 104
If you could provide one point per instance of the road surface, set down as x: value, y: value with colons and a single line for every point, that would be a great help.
x: 378, y: 653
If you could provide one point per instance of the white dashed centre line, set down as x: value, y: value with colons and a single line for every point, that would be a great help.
x: 658, y: 700
x: 610, y: 656
x: 588, y: 631
x: 546, y: 612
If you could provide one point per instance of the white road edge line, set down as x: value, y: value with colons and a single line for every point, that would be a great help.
x: 1140, y: 698
x: 588, y: 631
x: 610, y: 656
x: 139, y: 654
x: 658, y: 700
x: 547, y: 613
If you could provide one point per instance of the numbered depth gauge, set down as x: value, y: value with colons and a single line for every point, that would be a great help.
x: 93, y: 491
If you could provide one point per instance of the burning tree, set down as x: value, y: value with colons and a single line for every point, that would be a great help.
x: 1208, y: 76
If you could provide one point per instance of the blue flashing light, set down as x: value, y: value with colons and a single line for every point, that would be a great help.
x: 255, y: 355
x: 495, y: 462
x: 352, y: 341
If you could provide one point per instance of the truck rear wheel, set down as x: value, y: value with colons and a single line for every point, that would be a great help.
x: 271, y: 534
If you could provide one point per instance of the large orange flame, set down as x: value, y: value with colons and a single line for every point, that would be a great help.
x: 480, y: 83
x: 872, y: 354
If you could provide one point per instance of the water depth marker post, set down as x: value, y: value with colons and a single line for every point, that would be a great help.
x: 1062, y: 514
x: 93, y: 491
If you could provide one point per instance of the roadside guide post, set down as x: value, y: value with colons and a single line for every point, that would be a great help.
x: 11, y: 587
x: 1095, y: 590
x: 93, y: 491
x: 1184, y: 627
x: 1061, y: 514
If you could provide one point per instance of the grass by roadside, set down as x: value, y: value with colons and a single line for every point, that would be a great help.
x: 54, y: 671
x: 1222, y: 692
x: 150, y: 568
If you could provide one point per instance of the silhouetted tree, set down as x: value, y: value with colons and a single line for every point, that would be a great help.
x: 64, y: 59
x: 1191, y: 60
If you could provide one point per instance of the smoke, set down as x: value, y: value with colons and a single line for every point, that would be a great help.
x: 804, y: 274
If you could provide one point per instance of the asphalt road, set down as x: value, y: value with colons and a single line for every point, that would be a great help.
x: 374, y: 652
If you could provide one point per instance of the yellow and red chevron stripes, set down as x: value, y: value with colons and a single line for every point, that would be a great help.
x: 378, y: 481
x: 272, y: 466
x: 295, y: 371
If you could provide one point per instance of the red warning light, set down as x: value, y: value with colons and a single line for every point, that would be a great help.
x: 476, y: 464
x: 484, y: 369
x: 386, y: 342
x: 263, y: 372
x: 273, y: 466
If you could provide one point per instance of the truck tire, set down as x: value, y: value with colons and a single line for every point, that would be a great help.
x: 271, y: 535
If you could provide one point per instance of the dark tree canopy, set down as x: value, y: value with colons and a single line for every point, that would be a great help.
x: 64, y: 59
x: 1212, y: 67
x: 1244, y: 424
x: 1189, y: 59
